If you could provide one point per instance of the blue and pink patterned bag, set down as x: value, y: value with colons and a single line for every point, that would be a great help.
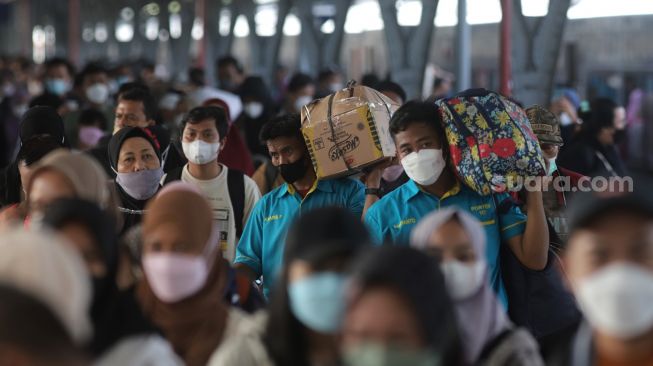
x: 492, y: 145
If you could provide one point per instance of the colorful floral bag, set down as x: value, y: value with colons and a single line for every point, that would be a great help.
x: 492, y: 145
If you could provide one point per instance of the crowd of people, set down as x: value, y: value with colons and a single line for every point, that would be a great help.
x: 145, y: 222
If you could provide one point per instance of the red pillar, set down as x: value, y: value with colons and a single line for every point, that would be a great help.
x: 200, y: 12
x: 74, y: 31
x: 506, y: 48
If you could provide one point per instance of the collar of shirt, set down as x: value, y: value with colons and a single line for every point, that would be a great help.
x: 413, y: 190
x: 318, y: 185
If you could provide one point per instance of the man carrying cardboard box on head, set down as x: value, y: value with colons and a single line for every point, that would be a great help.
x: 335, y: 137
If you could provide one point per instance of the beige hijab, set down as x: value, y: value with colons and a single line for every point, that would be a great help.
x: 87, y: 176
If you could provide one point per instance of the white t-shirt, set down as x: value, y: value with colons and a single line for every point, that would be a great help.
x: 217, y: 193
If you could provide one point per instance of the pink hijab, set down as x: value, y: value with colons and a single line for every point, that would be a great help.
x: 480, y: 317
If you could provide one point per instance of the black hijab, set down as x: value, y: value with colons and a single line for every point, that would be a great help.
x: 115, y: 314
x: 131, y: 208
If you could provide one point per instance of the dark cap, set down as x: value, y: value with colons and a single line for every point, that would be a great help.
x: 325, y: 233
x: 545, y: 125
x: 41, y: 120
x: 589, y: 208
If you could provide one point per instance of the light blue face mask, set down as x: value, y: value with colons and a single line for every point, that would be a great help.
x: 372, y: 354
x: 552, y: 166
x: 57, y: 86
x: 318, y: 301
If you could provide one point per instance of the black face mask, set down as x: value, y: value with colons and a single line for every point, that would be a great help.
x: 293, y: 172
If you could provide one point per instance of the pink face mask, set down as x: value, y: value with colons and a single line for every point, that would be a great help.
x: 90, y: 136
x: 174, y: 276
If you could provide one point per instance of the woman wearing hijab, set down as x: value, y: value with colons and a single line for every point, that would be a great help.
x: 398, y: 312
x: 457, y: 240
x: 64, y: 174
x: 185, y: 275
x: 120, y: 331
x: 135, y: 157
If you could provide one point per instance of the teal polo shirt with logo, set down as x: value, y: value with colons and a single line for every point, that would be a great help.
x: 392, y: 218
x: 263, y: 241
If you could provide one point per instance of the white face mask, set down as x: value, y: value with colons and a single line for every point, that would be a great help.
x: 253, y: 110
x: 334, y: 87
x: 98, y: 93
x: 200, y: 152
x: 617, y: 300
x: 302, y: 101
x: 565, y: 119
x: 424, y: 166
x: 463, y: 280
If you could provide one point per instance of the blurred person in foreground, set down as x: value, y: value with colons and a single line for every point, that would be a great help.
x: 121, y: 334
x: 456, y: 239
x: 31, y: 334
x: 609, y: 262
x: 302, y: 324
x: 398, y: 312
x: 185, y: 276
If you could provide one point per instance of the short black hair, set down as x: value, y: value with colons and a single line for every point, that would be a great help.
x: 47, y: 99
x: 370, y: 80
x: 438, y: 81
x: 91, y: 69
x: 202, y: 113
x: 139, y: 93
x: 59, y: 61
x: 326, y: 73
x: 32, y: 327
x: 35, y: 148
x: 393, y: 87
x: 196, y: 76
x: 92, y: 117
x: 230, y: 60
x: 299, y: 81
x: 287, y: 125
x: 416, y: 111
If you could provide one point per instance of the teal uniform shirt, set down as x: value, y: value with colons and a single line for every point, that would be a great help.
x: 392, y: 218
x: 263, y: 241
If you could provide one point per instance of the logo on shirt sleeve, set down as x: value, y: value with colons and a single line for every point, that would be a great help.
x: 402, y: 223
x: 273, y: 218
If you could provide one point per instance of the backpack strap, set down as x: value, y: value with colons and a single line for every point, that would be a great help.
x: 236, y: 187
x: 173, y: 175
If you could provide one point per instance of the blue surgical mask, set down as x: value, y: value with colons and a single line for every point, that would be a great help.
x: 552, y: 166
x: 57, y: 86
x: 141, y: 185
x: 318, y: 301
x: 372, y: 354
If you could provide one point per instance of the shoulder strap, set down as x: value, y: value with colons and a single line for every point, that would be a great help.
x: 236, y: 187
x: 173, y: 175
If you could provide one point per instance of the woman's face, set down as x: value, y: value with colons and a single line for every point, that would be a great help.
x: 47, y: 187
x: 80, y: 238
x: 451, y: 242
x: 169, y: 238
x: 381, y: 316
x: 137, y: 154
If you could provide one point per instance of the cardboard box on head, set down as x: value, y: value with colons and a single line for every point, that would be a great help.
x: 348, y: 131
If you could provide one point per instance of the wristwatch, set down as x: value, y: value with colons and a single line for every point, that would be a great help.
x: 373, y: 191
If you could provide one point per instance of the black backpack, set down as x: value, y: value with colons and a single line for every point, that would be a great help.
x: 236, y: 188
